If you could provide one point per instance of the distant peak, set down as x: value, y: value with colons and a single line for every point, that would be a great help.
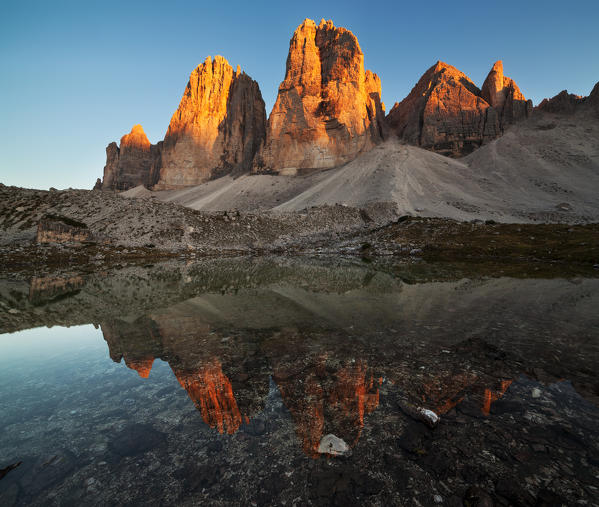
x: 307, y: 23
x: 136, y: 138
x: 440, y: 66
x: 497, y: 66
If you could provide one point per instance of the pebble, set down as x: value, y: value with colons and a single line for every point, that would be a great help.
x: 438, y: 499
x: 536, y: 392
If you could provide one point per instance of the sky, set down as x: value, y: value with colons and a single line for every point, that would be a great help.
x: 77, y: 75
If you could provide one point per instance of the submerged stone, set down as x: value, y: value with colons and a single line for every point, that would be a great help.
x: 331, y: 444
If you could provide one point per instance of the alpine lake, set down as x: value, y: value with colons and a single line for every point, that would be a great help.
x: 300, y: 381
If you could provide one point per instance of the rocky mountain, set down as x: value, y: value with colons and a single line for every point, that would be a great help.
x: 217, y: 128
x: 133, y: 163
x: 445, y: 112
x: 568, y: 103
x: 328, y: 112
x: 562, y: 103
x: 328, y: 109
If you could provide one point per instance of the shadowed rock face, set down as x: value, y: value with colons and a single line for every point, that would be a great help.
x: 328, y: 109
x: 445, y: 112
x: 133, y: 163
x: 217, y: 128
x: 562, y: 103
x: 568, y: 103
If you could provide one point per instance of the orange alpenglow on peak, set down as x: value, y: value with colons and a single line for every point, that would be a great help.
x: 328, y: 109
x: 217, y: 128
x: 212, y: 393
x: 143, y: 367
x: 133, y: 163
x: 497, y: 87
x: 136, y: 138
x: 447, y: 113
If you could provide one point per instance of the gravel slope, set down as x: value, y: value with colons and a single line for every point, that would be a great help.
x: 544, y: 169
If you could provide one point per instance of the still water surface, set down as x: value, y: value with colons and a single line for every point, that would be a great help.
x: 278, y: 381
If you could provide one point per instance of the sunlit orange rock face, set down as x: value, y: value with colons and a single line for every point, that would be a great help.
x: 143, y: 366
x: 134, y: 163
x: 442, y: 393
x: 212, y: 393
x: 321, y: 402
x: 217, y: 128
x: 505, y: 98
x: 492, y: 395
x: 328, y: 109
x: 446, y: 112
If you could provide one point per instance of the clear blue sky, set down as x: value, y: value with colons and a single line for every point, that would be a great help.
x: 78, y: 74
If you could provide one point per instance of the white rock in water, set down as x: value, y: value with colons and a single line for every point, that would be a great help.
x: 536, y: 392
x: 428, y: 416
x: 330, y: 444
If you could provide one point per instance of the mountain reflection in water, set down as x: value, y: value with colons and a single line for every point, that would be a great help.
x: 326, y: 391
x: 277, y: 354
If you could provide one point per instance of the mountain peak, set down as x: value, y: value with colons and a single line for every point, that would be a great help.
x: 447, y: 113
x: 497, y: 88
x: 216, y: 129
x: 328, y: 108
x: 135, y: 139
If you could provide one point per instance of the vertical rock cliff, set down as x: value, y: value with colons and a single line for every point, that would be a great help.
x: 132, y: 164
x: 503, y: 95
x: 447, y: 113
x: 328, y: 109
x: 217, y: 128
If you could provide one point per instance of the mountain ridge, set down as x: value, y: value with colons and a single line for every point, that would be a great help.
x: 328, y: 115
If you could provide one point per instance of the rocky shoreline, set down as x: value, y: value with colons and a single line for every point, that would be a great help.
x: 92, y: 229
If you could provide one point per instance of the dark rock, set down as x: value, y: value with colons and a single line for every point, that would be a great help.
x: 5, y: 470
x: 477, y: 497
x: 136, y: 439
x: 512, y: 489
x: 256, y: 427
x: 197, y: 477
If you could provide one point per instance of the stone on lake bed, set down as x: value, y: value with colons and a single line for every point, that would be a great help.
x: 428, y: 417
x: 333, y: 445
